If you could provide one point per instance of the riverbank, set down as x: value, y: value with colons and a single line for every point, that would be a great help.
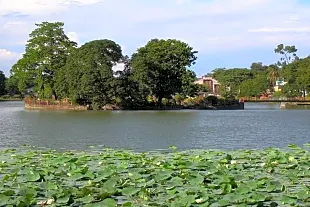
x: 46, y: 105
x: 107, y: 177
x: 10, y: 99
x: 295, y: 105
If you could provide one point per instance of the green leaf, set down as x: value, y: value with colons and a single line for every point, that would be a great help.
x: 227, y: 188
x: 63, y: 199
x: 177, y: 181
x: 271, y: 188
x: 129, y: 191
x: 4, y: 200
x: 243, y: 190
x: 108, y: 202
x: 303, y: 195
x: 77, y: 177
x: 162, y: 175
x: 288, y: 200
x: 33, y: 176
x: 87, y: 199
x: 197, y: 180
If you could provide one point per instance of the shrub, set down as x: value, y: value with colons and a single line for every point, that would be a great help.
x: 213, y: 100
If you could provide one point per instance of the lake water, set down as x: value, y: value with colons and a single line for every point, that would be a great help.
x: 258, y: 126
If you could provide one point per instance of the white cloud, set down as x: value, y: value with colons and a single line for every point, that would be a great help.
x: 6, y: 55
x: 32, y: 7
x: 73, y: 36
x: 209, y: 26
x: 279, y: 29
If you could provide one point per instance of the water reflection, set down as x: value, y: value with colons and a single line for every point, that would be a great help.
x: 258, y: 126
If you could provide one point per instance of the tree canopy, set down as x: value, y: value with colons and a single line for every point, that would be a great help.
x: 2, y: 83
x: 288, y: 54
x: 88, y: 73
x: 46, y: 53
x: 53, y: 66
x: 162, y: 67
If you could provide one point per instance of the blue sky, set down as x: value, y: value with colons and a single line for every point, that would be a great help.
x: 227, y: 33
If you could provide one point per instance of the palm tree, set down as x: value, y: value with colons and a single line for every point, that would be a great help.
x: 273, y: 74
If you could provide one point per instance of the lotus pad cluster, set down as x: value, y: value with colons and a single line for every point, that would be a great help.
x: 106, y: 177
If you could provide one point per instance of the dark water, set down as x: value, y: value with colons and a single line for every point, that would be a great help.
x: 258, y: 126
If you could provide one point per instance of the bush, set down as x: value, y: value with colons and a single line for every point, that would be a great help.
x: 165, y: 101
x: 5, y: 96
x: 178, y: 99
x: 17, y: 96
x: 277, y: 94
x: 213, y: 100
x: 189, y: 101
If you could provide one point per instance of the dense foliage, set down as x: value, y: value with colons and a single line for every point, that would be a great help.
x: 161, y: 66
x: 157, y: 73
x: 260, y: 79
x: 110, y: 178
x: 53, y: 67
x: 45, y: 55
x: 2, y: 83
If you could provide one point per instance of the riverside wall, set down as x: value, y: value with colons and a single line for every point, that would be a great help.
x: 52, y: 105
x: 55, y: 107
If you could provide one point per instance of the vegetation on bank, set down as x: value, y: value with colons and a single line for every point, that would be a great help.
x: 259, y: 79
x: 54, y: 67
x: 106, y: 177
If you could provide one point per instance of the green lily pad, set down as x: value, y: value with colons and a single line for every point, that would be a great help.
x: 129, y: 191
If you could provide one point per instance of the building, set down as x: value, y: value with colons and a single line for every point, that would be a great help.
x: 213, y: 84
x: 279, y: 85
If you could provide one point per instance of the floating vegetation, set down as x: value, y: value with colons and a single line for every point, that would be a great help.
x: 270, y: 177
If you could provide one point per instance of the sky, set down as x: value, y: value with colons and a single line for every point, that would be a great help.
x: 226, y: 33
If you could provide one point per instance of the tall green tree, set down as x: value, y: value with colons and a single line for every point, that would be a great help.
x: 2, y: 83
x: 161, y: 66
x: 288, y: 54
x: 273, y: 74
x: 254, y: 87
x: 45, y: 55
x: 189, y: 87
x: 88, y: 73
x: 232, y: 78
x: 11, y: 85
x: 131, y: 92
x: 297, y: 75
x: 258, y: 67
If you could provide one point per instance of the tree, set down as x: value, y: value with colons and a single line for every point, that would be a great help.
x: 291, y: 90
x: 298, y: 75
x: 231, y: 78
x: 161, y: 66
x: 88, y: 73
x: 130, y: 92
x: 45, y: 55
x: 288, y: 54
x: 189, y: 87
x: 258, y: 67
x: 273, y: 74
x: 203, y: 88
x: 254, y: 87
x: 2, y: 83
x: 11, y: 85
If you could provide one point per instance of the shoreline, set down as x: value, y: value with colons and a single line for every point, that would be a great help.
x: 238, y: 106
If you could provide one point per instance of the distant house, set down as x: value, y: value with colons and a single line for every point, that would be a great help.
x: 279, y: 85
x: 213, y: 84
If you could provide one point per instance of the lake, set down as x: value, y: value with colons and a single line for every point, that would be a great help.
x: 258, y: 126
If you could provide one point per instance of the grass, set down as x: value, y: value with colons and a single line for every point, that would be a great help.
x: 105, y: 177
x: 5, y: 98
